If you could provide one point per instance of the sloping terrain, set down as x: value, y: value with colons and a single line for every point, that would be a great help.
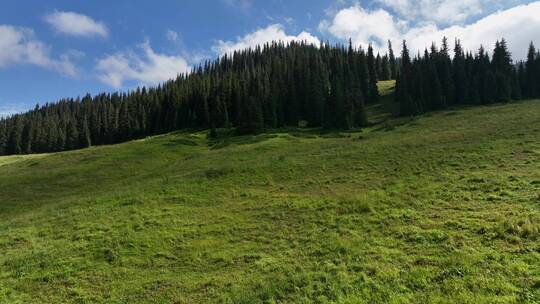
x: 442, y: 208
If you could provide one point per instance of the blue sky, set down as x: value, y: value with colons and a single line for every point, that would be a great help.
x: 64, y: 48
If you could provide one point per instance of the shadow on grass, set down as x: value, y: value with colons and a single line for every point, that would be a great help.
x: 228, y: 137
x: 391, y: 125
x: 239, y: 140
x: 181, y: 142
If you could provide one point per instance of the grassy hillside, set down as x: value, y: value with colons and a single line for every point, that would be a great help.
x: 443, y: 208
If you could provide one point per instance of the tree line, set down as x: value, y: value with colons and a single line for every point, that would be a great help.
x: 277, y: 85
x: 270, y: 86
x: 435, y: 81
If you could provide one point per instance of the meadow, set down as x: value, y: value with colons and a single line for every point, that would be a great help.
x: 442, y: 208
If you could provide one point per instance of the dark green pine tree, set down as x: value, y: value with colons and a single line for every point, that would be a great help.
x: 318, y: 91
x: 460, y: 77
x: 372, y: 69
x: 445, y: 73
x: 3, y: 137
x: 416, y: 86
x: 359, y: 116
x: 123, y: 122
x: 58, y: 137
x: 27, y: 137
x: 361, y: 61
x: 85, y: 140
x: 522, y: 77
x: 392, y: 61
x: 251, y: 118
x: 483, y: 67
x: 434, y: 90
x: 378, y: 66
x: 537, y: 74
x: 515, y: 85
x: 502, y: 69
x: 72, y: 134
x: 531, y: 68
x: 385, y: 68
x: 404, y: 86
x: 339, y: 96
x: 15, y: 144
x: 490, y: 87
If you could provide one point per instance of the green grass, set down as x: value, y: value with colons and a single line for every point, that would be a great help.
x: 386, y: 108
x: 444, y: 208
x: 4, y: 160
x: 386, y: 87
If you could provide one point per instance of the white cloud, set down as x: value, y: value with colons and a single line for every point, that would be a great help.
x: 172, y: 35
x: 519, y: 25
x: 274, y: 32
x: 440, y: 11
x: 8, y: 109
x: 150, y: 68
x: 19, y: 46
x: 363, y: 26
x: 446, y: 12
x: 75, y: 24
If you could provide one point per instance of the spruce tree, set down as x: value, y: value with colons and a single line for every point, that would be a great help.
x: 372, y: 69
x: 27, y: 138
x: 435, y: 96
x: 85, y: 140
x: 522, y: 77
x: 515, y: 85
x: 72, y: 135
x: 378, y: 66
x: 531, y: 73
x: 15, y: 144
x: 502, y: 69
x: 251, y: 118
x: 385, y: 69
x: 364, y: 74
x: 445, y: 73
x: 460, y: 77
x: 403, y: 85
x: 392, y: 61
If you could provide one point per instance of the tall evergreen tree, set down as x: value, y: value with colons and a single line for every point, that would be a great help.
x: 460, y: 76
x: 378, y: 66
x: 392, y: 61
x: 502, y: 69
x: 251, y: 119
x: 72, y: 135
x: 403, y: 86
x: 385, y: 68
x: 445, y: 72
x: 372, y: 69
x: 531, y: 73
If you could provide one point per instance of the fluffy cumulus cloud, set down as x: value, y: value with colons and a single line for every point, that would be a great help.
x: 518, y: 25
x: 75, y: 24
x: 146, y: 67
x: 440, y: 11
x: 274, y: 32
x: 363, y: 26
x: 19, y: 46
